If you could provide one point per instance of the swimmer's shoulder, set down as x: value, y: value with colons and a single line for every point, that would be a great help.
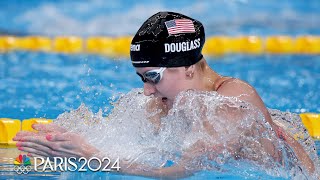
x: 221, y: 81
x: 229, y: 86
x: 245, y: 92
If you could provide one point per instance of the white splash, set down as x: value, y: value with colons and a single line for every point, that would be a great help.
x: 203, y: 131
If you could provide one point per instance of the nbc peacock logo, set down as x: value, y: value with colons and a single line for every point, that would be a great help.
x: 22, y: 164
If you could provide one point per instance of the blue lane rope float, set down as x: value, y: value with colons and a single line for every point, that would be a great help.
x: 10, y: 127
x: 119, y: 46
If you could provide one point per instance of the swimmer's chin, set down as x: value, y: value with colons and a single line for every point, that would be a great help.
x: 167, y: 102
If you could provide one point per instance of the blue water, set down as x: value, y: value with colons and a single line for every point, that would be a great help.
x: 123, y: 17
x: 45, y: 85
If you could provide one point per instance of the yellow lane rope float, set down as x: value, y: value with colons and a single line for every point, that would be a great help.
x: 119, y: 46
x: 312, y: 123
x: 10, y: 127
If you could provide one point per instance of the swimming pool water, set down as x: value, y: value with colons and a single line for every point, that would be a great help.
x: 98, y: 175
x: 45, y: 85
x: 124, y: 17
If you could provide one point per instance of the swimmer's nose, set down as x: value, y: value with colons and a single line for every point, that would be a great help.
x: 149, y: 89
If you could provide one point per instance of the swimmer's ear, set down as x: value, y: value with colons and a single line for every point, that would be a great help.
x: 189, y: 70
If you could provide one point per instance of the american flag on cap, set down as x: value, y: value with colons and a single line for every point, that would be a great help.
x: 177, y: 26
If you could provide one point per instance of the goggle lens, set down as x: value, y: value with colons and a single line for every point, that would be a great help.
x: 152, y: 76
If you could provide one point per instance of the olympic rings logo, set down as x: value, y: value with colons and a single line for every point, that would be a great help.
x: 21, y: 169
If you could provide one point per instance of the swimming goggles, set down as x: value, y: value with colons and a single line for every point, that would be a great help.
x: 152, y: 76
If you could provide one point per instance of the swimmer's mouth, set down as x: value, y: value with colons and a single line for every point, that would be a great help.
x: 164, y: 99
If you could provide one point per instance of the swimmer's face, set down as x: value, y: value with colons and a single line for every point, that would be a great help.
x: 172, y: 81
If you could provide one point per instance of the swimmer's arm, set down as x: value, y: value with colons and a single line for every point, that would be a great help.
x: 299, y: 151
x: 247, y: 93
x: 67, y: 144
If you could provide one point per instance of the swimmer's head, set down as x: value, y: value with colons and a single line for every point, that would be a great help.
x: 167, y: 39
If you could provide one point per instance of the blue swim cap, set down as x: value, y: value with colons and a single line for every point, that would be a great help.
x: 168, y: 39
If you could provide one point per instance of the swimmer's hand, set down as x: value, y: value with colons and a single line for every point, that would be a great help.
x: 52, y: 140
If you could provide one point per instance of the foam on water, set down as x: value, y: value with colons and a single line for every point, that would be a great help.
x: 203, y: 131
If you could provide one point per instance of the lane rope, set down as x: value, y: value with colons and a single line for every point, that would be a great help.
x: 119, y: 46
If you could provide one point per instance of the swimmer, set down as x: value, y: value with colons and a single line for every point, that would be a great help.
x: 166, y: 54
